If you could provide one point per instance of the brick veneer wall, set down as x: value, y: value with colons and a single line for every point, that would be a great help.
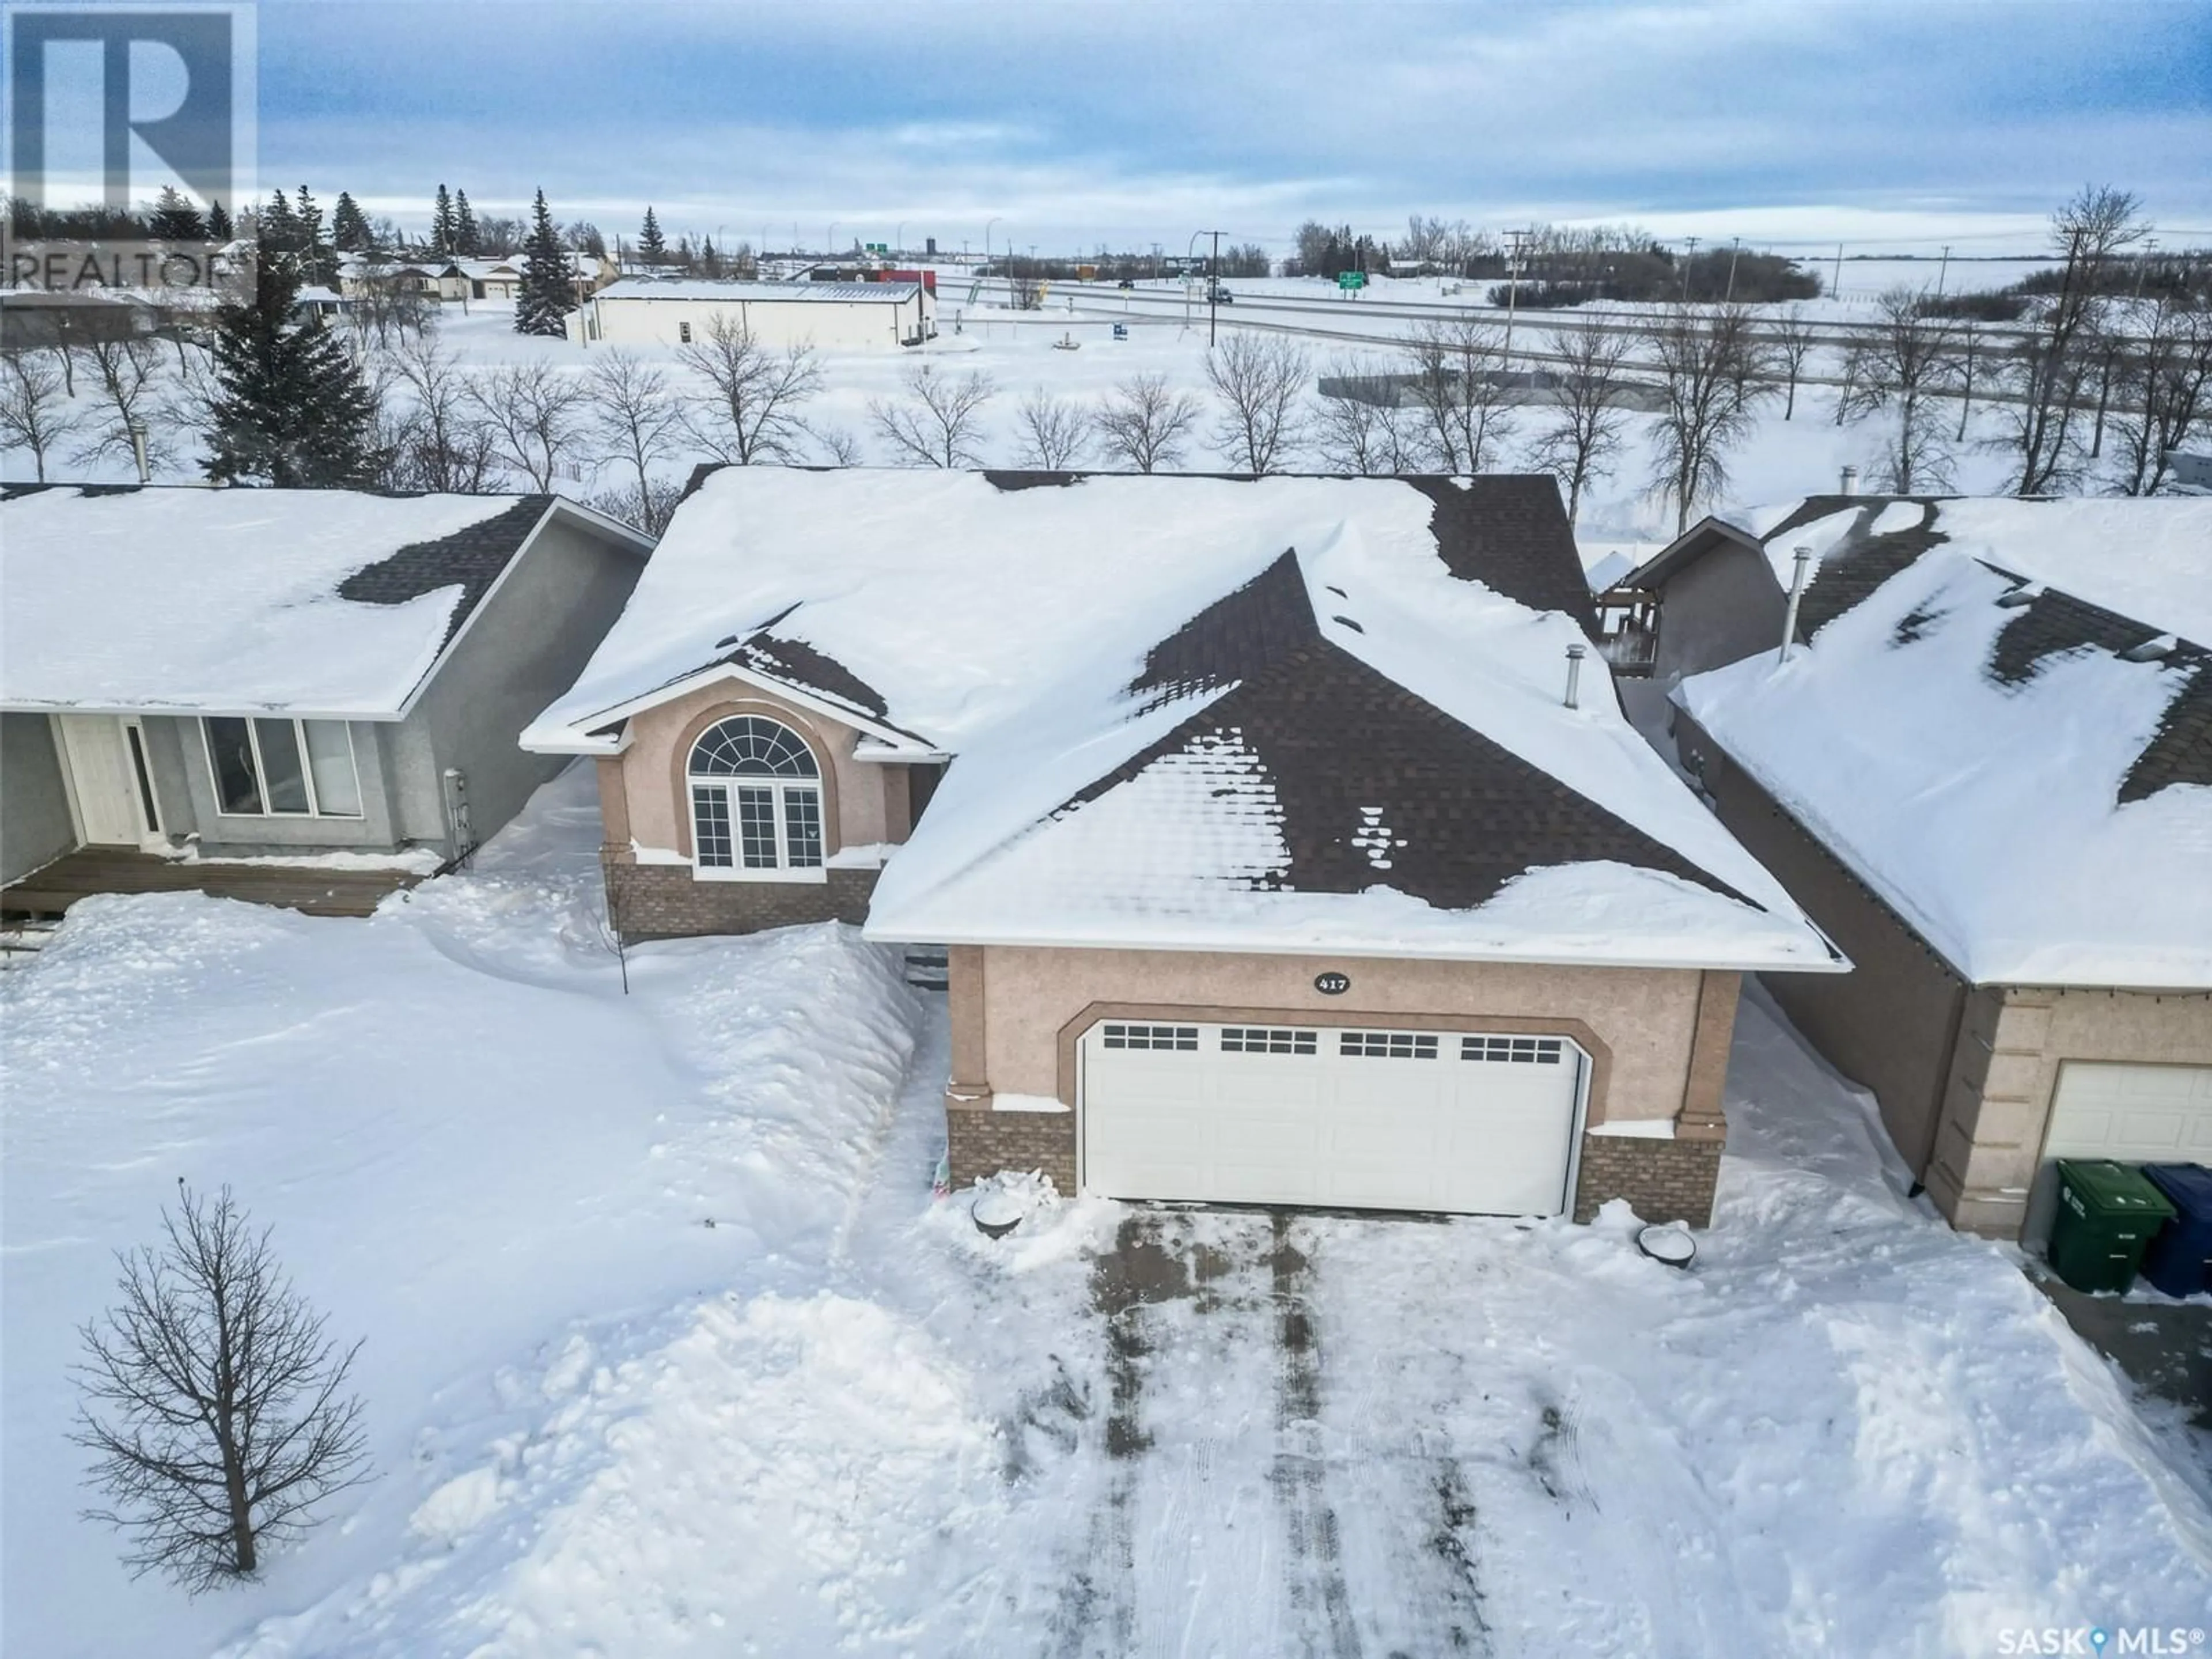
x: 982, y: 1142
x: 661, y: 901
x: 1662, y: 1180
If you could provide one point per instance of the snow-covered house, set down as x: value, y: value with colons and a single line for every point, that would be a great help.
x: 1274, y: 858
x: 1986, y: 769
x: 239, y: 673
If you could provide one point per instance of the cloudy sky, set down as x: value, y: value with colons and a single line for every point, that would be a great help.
x: 1787, y: 122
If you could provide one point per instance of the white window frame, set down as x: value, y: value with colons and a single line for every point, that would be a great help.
x: 261, y: 770
x: 779, y: 787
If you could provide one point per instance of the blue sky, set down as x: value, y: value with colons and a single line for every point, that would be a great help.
x: 1789, y: 122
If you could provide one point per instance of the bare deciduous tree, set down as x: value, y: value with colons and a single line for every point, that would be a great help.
x: 1365, y: 431
x: 2166, y: 394
x: 939, y: 420
x: 213, y: 1402
x: 534, y: 413
x: 1054, y: 432
x: 1791, y: 340
x: 1900, y: 368
x: 1578, y: 443
x: 2047, y: 377
x: 1706, y: 359
x: 34, y: 405
x: 635, y: 417
x: 1260, y: 379
x: 439, y: 439
x: 386, y: 304
x: 751, y: 412
x: 839, y: 446
x: 129, y: 371
x: 1458, y: 384
x: 1144, y: 423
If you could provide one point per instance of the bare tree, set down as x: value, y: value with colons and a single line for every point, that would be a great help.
x: 751, y: 412
x: 213, y: 1403
x: 34, y: 405
x: 1144, y: 423
x: 840, y: 446
x: 1704, y: 357
x: 130, y: 372
x: 1362, y: 429
x: 386, y: 304
x: 1260, y: 379
x: 1902, y: 366
x: 1970, y: 354
x: 635, y: 419
x: 1791, y: 341
x: 2047, y: 377
x: 939, y: 420
x: 1458, y: 384
x: 1054, y: 432
x: 440, y: 439
x: 2166, y: 394
x: 535, y: 415
x: 1581, y: 439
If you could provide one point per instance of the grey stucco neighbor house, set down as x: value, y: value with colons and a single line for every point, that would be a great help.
x: 1986, y: 770
x: 242, y: 673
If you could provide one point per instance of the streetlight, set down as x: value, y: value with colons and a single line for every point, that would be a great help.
x: 1735, y: 248
x: 1213, y: 284
x: 898, y: 243
x: 1686, y: 259
x: 987, y: 223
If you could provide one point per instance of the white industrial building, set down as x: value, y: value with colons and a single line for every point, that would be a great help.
x: 843, y: 316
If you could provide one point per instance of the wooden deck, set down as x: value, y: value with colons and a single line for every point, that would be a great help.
x: 318, y: 892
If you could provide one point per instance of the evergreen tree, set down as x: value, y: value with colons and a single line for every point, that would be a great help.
x: 175, y: 219
x: 349, y: 230
x: 219, y: 227
x: 544, y: 301
x: 444, y: 229
x: 710, y: 262
x: 291, y: 408
x: 279, y: 229
x: 651, y: 245
x: 318, y: 262
x: 464, y: 226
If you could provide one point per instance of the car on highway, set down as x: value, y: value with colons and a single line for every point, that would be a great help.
x: 1218, y: 295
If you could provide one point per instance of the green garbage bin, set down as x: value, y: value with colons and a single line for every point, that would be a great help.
x: 2106, y: 1214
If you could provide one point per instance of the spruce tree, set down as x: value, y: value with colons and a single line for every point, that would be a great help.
x: 443, y: 231
x: 218, y: 223
x: 279, y: 229
x: 651, y: 245
x: 464, y: 226
x: 291, y: 408
x: 175, y: 219
x: 318, y: 263
x: 349, y: 230
x: 543, y: 305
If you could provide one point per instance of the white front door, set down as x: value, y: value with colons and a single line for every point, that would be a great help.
x: 1369, y: 1119
x: 2134, y: 1114
x: 109, y: 811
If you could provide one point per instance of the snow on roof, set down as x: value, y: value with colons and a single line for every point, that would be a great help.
x: 631, y: 288
x: 1289, y: 714
x: 320, y: 601
x: 1985, y: 753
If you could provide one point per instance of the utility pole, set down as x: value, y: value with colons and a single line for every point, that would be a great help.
x: 1836, y: 288
x: 1942, y: 271
x: 1735, y: 252
x: 1688, y: 259
x: 2142, y: 259
x: 1512, y: 291
x: 1213, y: 292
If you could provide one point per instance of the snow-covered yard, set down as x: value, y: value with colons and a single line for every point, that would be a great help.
x: 669, y: 1351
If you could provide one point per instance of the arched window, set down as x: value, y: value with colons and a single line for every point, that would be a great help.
x: 756, y: 798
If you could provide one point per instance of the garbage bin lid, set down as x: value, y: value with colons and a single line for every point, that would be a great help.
x: 2188, y: 1185
x: 2112, y: 1188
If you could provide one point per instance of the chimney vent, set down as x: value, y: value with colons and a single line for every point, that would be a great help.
x: 1850, y: 486
x: 1574, y: 655
x: 1803, y: 556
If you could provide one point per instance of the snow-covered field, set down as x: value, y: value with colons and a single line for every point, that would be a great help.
x: 668, y: 1350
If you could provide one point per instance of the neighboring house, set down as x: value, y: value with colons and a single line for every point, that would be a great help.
x: 480, y: 279
x: 1273, y: 864
x: 843, y: 316
x: 245, y: 672
x: 316, y: 300
x: 1986, y: 772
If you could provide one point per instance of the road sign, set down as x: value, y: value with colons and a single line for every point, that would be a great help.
x: 1351, y: 279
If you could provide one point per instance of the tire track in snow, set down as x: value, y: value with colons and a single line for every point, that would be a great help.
x: 1319, y: 1599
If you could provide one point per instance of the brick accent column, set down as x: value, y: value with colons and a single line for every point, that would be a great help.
x: 980, y: 1142
x: 1662, y: 1180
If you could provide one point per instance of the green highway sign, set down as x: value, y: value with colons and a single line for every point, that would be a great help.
x: 1352, y: 279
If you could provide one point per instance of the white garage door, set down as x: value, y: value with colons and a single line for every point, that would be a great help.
x: 1325, y: 1115
x: 2136, y: 1114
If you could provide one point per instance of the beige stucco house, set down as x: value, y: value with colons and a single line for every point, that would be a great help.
x: 1986, y: 769
x: 1284, y: 837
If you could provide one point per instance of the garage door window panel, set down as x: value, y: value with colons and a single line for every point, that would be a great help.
x: 1386, y: 1045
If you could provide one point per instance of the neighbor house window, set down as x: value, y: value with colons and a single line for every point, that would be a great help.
x: 756, y: 799
x: 282, y: 767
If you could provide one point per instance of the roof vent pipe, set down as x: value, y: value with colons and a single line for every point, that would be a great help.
x: 138, y: 450
x: 1850, y: 486
x: 1803, y: 556
x: 1574, y: 655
